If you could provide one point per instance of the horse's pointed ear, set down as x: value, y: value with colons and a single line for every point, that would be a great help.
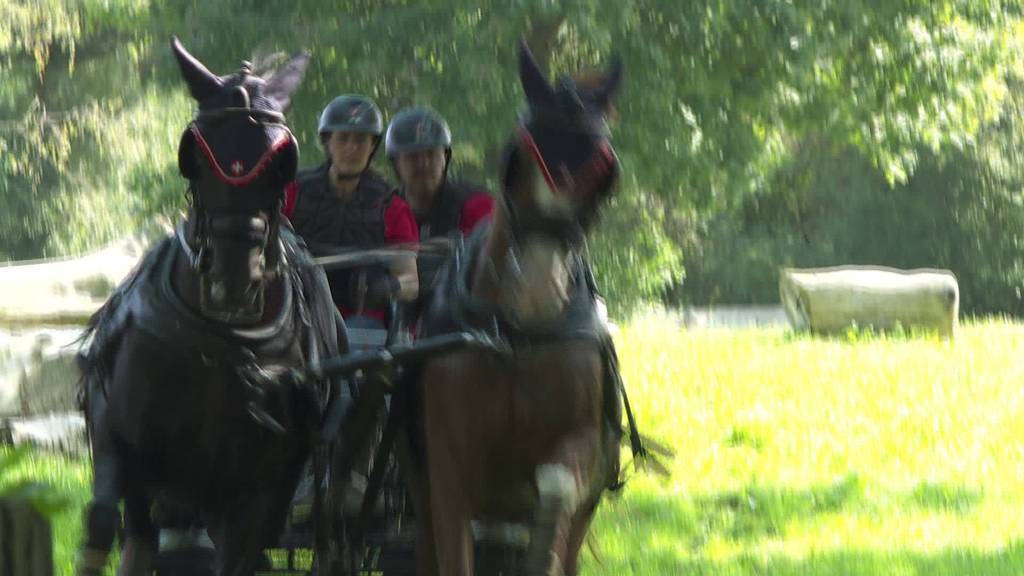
x: 610, y: 83
x: 535, y: 85
x: 201, y: 82
x: 287, y: 78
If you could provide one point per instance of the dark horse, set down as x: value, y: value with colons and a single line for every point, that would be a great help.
x: 532, y: 435
x: 176, y: 420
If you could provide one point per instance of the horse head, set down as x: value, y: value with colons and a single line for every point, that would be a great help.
x: 558, y: 170
x: 237, y: 154
x: 563, y: 138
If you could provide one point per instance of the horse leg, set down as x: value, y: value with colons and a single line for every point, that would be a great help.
x: 557, y: 493
x: 228, y: 533
x: 140, y: 543
x: 450, y: 518
x: 184, y: 548
x: 416, y: 482
x: 577, y: 535
x: 102, y: 517
x: 562, y: 482
x: 279, y: 505
x: 233, y: 537
x: 240, y: 530
x: 447, y: 489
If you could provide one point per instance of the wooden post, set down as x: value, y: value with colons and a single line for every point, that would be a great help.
x: 26, y: 540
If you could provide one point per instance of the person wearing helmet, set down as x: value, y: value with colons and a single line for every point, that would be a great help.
x: 342, y: 203
x: 419, y: 146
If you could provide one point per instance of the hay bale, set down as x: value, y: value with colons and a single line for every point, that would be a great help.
x: 38, y: 372
x: 26, y: 539
x: 830, y: 300
x: 68, y: 290
x: 62, y: 432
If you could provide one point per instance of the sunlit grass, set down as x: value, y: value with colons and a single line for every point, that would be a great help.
x: 798, y: 456
x: 855, y: 455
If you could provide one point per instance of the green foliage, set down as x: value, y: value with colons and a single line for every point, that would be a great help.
x: 719, y: 97
x: 963, y: 209
x: 43, y: 497
x: 632, y: 239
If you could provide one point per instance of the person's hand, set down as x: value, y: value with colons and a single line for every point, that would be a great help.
x: 373, y: 288
x: 436, y: 244
x: 381, y: 288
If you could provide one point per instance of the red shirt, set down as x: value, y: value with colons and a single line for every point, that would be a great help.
x: 478, y: 208
x: 399, y: 223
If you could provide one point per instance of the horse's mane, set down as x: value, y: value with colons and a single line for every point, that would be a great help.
x: 103, y: 331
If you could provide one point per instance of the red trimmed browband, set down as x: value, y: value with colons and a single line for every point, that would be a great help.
x: 256, y: 170
x: 598, y: 165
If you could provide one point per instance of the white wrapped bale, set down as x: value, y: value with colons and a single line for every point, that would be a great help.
x: 68, y: 290
x: 38, y: 371
x: 830, y: 300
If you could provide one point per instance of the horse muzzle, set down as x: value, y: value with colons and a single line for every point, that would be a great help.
x: 232, y: 269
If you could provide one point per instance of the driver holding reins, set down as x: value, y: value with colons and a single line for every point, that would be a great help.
x: 419, y: 146
x: 343, y: 203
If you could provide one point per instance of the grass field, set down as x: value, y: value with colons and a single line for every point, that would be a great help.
x: 853, y: 456
x: 806, y: 456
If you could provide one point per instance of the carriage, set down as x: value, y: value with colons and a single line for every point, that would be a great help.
x: 379, y: 531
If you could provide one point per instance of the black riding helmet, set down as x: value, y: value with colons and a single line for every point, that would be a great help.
x: 415, y: 129
x: 351, y: 113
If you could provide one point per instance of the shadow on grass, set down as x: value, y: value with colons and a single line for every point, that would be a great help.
x: 757, y: 512
x: 647, y: 533
x: 945, y: 498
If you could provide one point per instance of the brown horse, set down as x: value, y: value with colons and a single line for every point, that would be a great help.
x: 529, y: 436
x: 177, y: 421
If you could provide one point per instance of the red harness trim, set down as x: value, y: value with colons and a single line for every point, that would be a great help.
x: 598, y: 165
x: 247, y: 178
x: 527, y: 139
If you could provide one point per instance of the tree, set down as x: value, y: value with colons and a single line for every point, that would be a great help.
x: 719, y: 96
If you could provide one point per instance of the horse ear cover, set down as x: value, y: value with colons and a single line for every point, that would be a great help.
x: 287, y: 163
x: 187, y: 155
